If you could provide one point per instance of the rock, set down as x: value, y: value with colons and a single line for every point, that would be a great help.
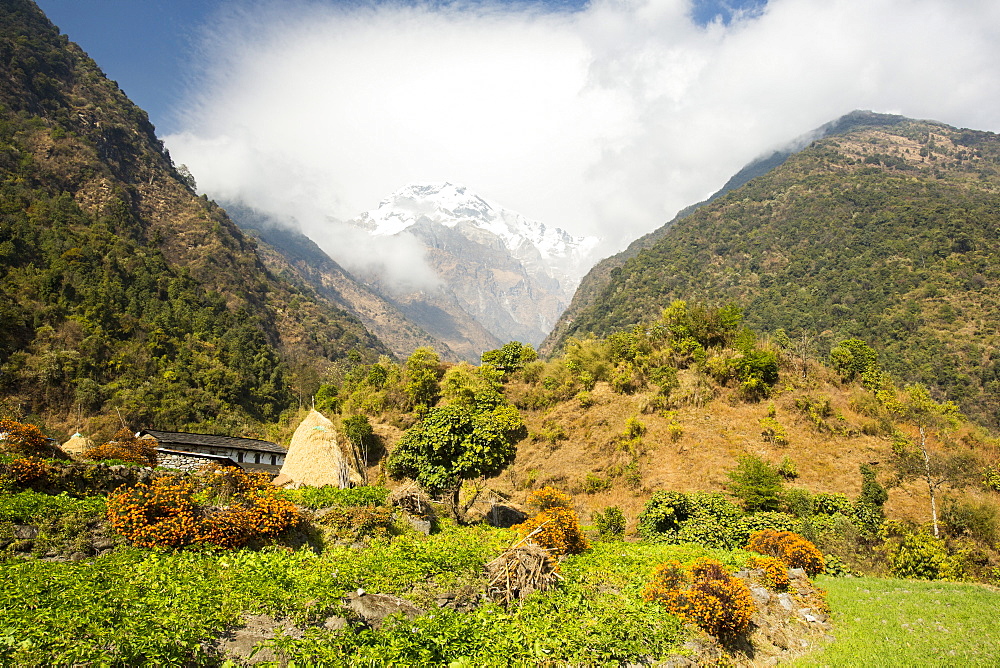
x: 239, y: 643
x: 335, y: 623
x: 25, y: 531
x: 785, y: 601
x: 420, y: 525
x: 797, y: 574
x: 373, y: 608
x: 505, y: 516
x: 761, y: 596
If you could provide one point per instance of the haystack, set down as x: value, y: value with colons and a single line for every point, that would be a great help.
x: 317, y: 457
x: 77, y: 444
x: 522, y: 569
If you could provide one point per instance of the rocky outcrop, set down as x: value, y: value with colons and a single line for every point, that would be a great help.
x: 786, y: 625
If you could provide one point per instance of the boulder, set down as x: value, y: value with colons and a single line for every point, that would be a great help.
x: 374, y: 608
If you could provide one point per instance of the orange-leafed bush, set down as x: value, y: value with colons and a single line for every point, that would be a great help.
x: 549, y: 497
x: 125, y: 447
x: 558, y: 531
x: 775, y: 572
x: 28, y: 469
x: 22, y: 438
x: 557, y: 526
x: 223, y: 507
x: 160, y: 514
x: 705, y: 593
x: 789, y: 548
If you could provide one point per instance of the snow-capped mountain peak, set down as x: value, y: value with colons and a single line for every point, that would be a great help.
x: 503, y: 277
x: 449, y: 205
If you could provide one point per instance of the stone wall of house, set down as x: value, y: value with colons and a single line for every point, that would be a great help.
x: 181, y: 462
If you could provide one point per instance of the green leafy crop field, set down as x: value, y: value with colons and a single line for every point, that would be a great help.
x: 881, y: 622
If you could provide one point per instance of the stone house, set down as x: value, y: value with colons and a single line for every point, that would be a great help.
x: 183, y: 450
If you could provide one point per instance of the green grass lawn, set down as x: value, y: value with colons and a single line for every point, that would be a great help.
x: 910, y: 623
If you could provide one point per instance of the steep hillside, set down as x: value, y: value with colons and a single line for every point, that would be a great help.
x: 678, y: 404
x: 886, y: 232
x: 121, y: 289
x: 600, y: 274
x: 296, y: 258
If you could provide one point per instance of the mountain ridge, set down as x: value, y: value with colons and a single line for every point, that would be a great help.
x: 296, y: 257
x: 885, y: 232
x: 599, y: 275
x: 502, y: 276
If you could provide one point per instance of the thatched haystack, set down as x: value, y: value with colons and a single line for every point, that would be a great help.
x: 521, y: 569
x: 316, y: 457
x: 77, y: 444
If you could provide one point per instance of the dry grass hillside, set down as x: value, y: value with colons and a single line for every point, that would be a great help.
x: 592, y: 450
x: 586, y: 449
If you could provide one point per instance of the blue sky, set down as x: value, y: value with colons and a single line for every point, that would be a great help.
x: 146, y: 45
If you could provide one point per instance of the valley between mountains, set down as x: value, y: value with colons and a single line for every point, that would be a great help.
x: 765, y: 432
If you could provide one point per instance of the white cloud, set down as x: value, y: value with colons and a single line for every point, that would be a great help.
x: 605, y: 121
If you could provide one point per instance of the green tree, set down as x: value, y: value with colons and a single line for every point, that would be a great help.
x: 510, y: 357
x: 359, y: 432
x: 326, y: 400
x: 757, y: 483
x: 422, y: 376
x: 872, y: 491
x: 473, y: 386
x: 853, y: 358
x: 757, y: 371
x: 455, y: 443
x: 937, y: 468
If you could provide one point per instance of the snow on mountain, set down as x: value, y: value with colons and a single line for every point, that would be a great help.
x: 453, y: 205
x: 503, y: 277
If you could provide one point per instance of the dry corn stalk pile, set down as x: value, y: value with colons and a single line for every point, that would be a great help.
x: 410, y: 499
x: 522, y: 569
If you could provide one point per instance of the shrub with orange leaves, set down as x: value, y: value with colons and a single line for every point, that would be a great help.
x: 159, y: 514
x: 178, y: 511
x: 558, y: 531
x: 704, y: 593
x: 557, y: 524
x: 549, y: 497
x: 775, y: 572
x: 789, y: 548
x: 125, y: 447
x: 27, y: 469
x: 20, y: 438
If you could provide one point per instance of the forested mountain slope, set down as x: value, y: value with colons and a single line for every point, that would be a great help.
x: 600, y: 274
x: 886, y: 232
x: 121, y: 289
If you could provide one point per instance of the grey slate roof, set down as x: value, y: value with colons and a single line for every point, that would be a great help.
x: 172, y: 439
